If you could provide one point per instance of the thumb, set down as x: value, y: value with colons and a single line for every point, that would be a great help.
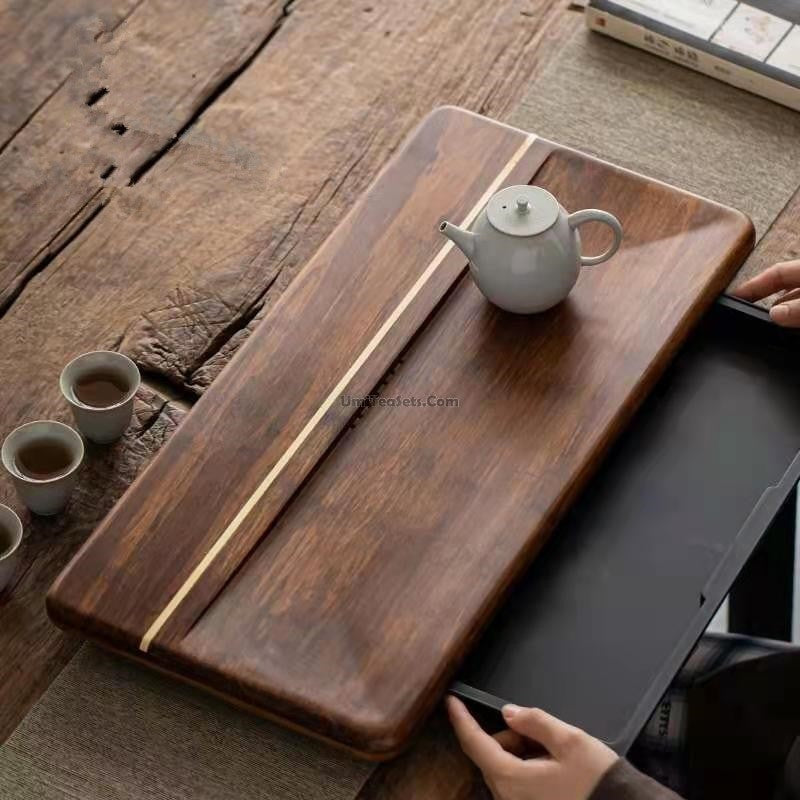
x: 554, y: 735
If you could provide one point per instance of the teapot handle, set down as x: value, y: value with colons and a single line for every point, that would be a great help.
x: 595, y: 215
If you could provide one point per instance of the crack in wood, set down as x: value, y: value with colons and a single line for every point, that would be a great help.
x: 222, y: 86
x: 120, y: 22
x: 285, y: 236
x: 170, y: 390
x: 239, y: 323
x: 148, y: 424
x: 117, y: 341
x: 347, y: 173
x: 27, y: 275
x: 33, y: 113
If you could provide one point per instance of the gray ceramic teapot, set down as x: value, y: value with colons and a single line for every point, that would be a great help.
x: 524, y: 249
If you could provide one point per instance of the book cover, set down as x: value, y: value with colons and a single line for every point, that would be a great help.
x: 755, y: 46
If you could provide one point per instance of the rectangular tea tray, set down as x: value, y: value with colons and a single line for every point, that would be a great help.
x: 602, y: 621
x: 330, y: 566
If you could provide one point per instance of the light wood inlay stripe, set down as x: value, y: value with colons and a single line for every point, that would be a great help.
x: 337, y: 390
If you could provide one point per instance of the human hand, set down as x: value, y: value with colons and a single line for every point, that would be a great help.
x: 537, y: 758
x: 784, y: 277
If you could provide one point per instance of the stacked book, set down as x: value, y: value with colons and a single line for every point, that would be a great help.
x: 755, y: 45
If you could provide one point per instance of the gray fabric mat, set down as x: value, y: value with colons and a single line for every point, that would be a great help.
x: 109, y: 730
x: 663, y: 120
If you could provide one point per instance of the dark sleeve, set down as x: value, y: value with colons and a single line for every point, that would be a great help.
x: 623, y: 782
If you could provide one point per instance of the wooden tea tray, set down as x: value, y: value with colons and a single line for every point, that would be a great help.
x: 330, y: 566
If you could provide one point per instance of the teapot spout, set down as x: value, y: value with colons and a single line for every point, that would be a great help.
x: 464, y: 240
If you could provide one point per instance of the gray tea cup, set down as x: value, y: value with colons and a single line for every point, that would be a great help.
x: 101, y: 421
x: 44, y: 496
x: 10, y: 540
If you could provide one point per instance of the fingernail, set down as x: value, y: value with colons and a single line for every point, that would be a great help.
x: 510, y: 711
x: 779, y: 312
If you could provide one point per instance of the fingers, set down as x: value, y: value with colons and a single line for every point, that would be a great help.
x: 786, y: 314
x: 782, y: 276
x: 556, y: 736
x: 487, y: 753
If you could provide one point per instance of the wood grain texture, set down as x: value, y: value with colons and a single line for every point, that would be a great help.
x: 343, y: 619
x: 40, y: 43
x: 134, y: 88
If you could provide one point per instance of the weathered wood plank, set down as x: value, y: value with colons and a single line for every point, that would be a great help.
x: 40, y: 42
x: 138, y: 86
x: 33, y: 650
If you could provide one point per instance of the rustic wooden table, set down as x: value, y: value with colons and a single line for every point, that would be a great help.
x: 166, y: 169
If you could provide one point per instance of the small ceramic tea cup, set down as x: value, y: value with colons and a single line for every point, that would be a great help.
x: 10, y: 540
x: 41, y: 494
x: 109, y: 380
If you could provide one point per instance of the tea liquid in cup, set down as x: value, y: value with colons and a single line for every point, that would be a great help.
x: 100, y: 388
x: 43, y: 458
x: 10, y: 540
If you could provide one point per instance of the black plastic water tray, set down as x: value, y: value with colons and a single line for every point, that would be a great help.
x: 611, y: 608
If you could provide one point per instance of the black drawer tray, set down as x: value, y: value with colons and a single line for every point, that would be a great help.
x: 613, y: 605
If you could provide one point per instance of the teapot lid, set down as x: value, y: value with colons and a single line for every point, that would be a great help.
x: 522, y: 210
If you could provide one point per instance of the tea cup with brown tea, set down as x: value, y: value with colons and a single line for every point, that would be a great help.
x: 42, y: 458
x: 10, y: 540
x: 100, y: 389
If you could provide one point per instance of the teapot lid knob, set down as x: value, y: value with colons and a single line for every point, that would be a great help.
x: 523, y: 210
